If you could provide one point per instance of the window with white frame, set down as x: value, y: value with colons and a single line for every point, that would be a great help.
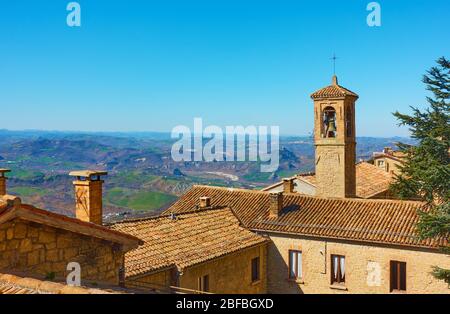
x: 295, y: 265
x: 337, y: 269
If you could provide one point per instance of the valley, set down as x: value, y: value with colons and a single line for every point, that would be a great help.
x: 143, y: 179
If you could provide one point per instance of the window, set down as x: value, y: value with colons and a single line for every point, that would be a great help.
x: 295, y: 265
x: 203, y: 283
x: 255, y: 269
x: 381, y: 163
x: 398, y: 276
x: 337, y: 269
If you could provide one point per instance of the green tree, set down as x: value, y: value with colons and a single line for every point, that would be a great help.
x: 426, y: 171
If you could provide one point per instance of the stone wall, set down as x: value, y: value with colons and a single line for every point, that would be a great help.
x: 159, y: 281
x: 390, y: 165
x: 45, y: 251
x: 367, y: 268
x: 229, y: 274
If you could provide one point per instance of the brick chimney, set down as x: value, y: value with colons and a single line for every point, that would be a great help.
x: 276, y: 204
x: 388, y: 150
x: 288, y: 185
x: 205, y: 202
x: 88, y: 195
x: 3, y: 179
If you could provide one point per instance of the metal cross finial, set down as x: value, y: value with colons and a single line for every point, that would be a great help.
x: 334, y: 58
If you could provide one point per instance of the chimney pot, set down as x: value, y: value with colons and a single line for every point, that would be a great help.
x: 3, y: 179
x: 276, y: 204
x: 88, y: 195
x: 288, y: 185
x: 205, y: 202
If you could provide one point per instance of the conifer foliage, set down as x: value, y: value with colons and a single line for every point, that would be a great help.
x: 426, y: 171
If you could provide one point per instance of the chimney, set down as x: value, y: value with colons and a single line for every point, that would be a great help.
x: 3, y: 179
x: 205, y: 202
x: 387, y: 150
x: 88, y: 195
x: 276, y: 204
x: 288, y: 185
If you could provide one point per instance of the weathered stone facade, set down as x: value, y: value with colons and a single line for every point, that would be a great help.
x: 335, y: 152
x: 42, y: 250
x: 367, y: 267
x: 160, y: 280
x: 389, y: 164
x: 230, y: 274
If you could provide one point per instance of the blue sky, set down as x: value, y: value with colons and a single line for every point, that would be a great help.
x: 152, y: 65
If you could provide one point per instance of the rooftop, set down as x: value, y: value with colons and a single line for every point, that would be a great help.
x: 11, y: 207
x: 333, y: 91
x: 185, y: 239
x: 370, y: 180
x: 391, y: 222
x: 11, y: 284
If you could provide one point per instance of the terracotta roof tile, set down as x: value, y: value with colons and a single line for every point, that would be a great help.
x: 370, y: 180
x: 11, y: 207
x: 11, y: 284
x: 375, y: 221
x: 333, y: 91
x: 189, y: 239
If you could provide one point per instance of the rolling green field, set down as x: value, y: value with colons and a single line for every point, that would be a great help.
x: 25, y: 191
x: 138, y: 200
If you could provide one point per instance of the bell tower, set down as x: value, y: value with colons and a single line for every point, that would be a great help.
x: 334, y: 138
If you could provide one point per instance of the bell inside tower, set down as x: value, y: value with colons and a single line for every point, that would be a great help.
x: 329, y: 122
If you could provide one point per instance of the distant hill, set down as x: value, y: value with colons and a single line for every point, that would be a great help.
x: 142, y: 175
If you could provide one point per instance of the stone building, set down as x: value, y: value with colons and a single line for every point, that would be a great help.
x: 389, y: 160
x: 39, y: 243
x: 335, y: 141
x: 328, y: 232
x: 205, y: 250
x: 371, y: 183
x: 333, y: 245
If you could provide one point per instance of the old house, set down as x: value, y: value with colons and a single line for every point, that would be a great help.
x: 39, y: 243
x: 389, y: 160
x: 204, y: 250
x: 371, y: 183
x: 332, y: 245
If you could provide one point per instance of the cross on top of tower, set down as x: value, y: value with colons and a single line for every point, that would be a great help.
x: 334, y: 58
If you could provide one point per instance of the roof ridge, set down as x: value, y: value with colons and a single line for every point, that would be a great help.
x: 40, y: 211
x: 354, y: 199
x: 230, y: 189
x: 190, y: 212
x: 333, y: 90
x: 298, y: 195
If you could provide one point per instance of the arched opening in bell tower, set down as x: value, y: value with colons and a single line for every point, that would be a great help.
x: 329, y: 122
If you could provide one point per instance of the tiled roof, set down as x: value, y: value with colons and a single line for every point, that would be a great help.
x: 390, y: 222
x: 11, y: 284
x: 189, y: 239
x: 370, y: 180
x: 395, y: 155
x: 333, y: 91
x: 11, y: 208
